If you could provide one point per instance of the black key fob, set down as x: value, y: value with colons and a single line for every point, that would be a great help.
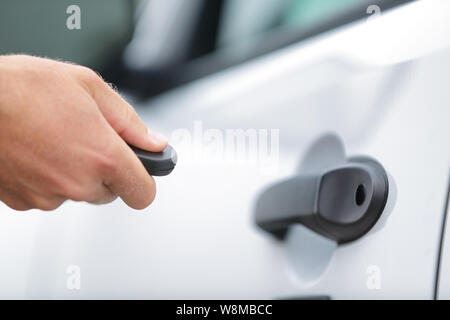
x: 157, y: 163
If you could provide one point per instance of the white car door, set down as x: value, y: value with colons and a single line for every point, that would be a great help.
x: 377, y: 88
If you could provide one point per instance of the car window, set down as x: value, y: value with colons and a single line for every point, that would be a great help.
x: 179, y: 41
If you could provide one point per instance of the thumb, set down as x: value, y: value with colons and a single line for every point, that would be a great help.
x: 124, y: 120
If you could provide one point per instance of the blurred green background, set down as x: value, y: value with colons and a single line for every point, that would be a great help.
x: 150, y: 46
x: 39, y: 27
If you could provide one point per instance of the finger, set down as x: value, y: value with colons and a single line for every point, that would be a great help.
x: 46, y: 203
x: 97, y: 194
x: 124, y: 120
x: 101, y: 195
x: 128, y: 178
x: 13, y: 201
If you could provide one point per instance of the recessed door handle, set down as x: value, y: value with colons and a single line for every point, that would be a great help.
x: 341, y: 203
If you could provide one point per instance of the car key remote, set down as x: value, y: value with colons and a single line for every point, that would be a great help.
x: 157, y: 163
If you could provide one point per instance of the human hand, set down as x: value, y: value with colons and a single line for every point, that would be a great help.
x: 64, y: 135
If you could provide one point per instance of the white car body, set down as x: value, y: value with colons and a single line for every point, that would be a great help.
x: 381, y: 86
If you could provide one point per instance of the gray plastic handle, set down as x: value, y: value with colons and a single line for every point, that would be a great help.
x: 342, y: 204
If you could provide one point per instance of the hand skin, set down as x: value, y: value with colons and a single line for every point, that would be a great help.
x: 64, y: 135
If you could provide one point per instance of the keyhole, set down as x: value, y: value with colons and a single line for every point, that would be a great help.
x: 360, y: 195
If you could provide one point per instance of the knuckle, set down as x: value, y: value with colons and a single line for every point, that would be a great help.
x: 89, y: 76
x: 18, y: 205
x: 14, y: 201
x: 105, y: 163
x: 46, y: 204
x: 76, y: 193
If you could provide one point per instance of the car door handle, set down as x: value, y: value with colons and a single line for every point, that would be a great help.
x: 341, y: 203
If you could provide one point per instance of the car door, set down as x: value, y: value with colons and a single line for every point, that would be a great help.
x: 368, y: 89
x: 442, y: 290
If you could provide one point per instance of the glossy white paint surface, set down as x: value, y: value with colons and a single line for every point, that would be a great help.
x: 198, y: 239
x: 444, y: 277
